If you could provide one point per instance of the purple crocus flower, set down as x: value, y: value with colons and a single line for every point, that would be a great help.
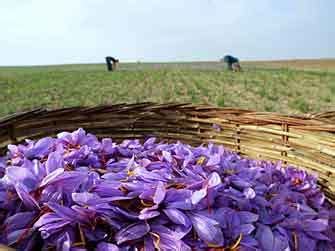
x: 271, y: 239
x: 207, y: 229
x: 77, y: 193
x: 299, y: 180
x: 132, y: 232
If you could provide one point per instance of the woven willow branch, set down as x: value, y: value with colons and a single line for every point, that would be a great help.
x: 305, y: 141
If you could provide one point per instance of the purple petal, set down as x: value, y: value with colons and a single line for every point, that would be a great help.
x: 67, y: 181
x: 51, y: 177
x: 64, y: 242
x: 265, y: 238
x: 168, y: 239
x: 49, y: 229
x: 315, y: 225
x: 167, y: 156
x: 40, y: 148
x: 19, y: 221
x: 269, y: 240
x: 46, y: 219
x: 78, y: 136
x: 132, y: 232
x: 240, y: 183
x: 13, y: 237
x: 149, y: 213
x: 104, y: 246
x: 177, y: 216
x: 249, y: 193
x: 63, y: 212
x: 181, y: 231
x: 244, y: 229
x: 26, y: 198
x: 214, y: 180
x: 54, y: 161
x: 197, y: 196
x: 149, y: 244
x: 85, y: 198
x: 115, y: 176
x: 247, y: 217
x: 305, y: 243
x: 159, y: 193
x: 206, y: 230
x: 180, y: 199
x: 23, y: 176
x: 214, y: 160
x: 317, y: 236
x: 108, y: 146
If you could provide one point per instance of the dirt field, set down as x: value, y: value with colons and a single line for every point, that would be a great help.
x: 294, y: 86
x: 300, y: 64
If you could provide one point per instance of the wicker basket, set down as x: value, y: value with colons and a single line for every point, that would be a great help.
x: 304, y: 141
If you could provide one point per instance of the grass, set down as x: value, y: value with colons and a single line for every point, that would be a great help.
x: 263, y: 89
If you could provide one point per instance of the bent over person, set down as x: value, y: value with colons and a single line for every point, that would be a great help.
x: 232, y: 63
x: 111, y: 63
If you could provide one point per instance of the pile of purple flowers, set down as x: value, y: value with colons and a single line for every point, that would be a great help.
x: 75, y: 192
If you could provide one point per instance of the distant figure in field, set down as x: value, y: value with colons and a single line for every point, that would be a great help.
x: 232, y: 63
x: 111, y: 63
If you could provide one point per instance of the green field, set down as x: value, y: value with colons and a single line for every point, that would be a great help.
x: 260, y: 88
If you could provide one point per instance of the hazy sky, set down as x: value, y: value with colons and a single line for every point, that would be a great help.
x: 84, y: 31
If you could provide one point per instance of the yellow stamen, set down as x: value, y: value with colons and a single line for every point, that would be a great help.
x: 229, y: 171
x: 146, y: 204
x: 295, y: 241
x: 176, y: 186
x: 210, y: 245
x: 157, y: 240
x: 82, y: 237
x: 201, y: 160
x: 296, y: 181
x: 130, y: 173
x: 237, y: 243
x: 123, y: 189
x: 102, y: 171
x: 78, y: 244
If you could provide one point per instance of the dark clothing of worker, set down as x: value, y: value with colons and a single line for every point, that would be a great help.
x: 111, y: 63
x: 230, y: 60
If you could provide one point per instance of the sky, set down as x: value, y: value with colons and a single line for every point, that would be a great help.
x: 38, y: 32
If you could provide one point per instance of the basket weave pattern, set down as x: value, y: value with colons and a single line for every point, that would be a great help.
x: 305, y: 141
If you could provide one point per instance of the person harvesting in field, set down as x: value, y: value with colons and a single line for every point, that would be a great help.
x: 232, y: 63
x: 111, y: 63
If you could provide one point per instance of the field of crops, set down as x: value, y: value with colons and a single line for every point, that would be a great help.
x: 286, y: 87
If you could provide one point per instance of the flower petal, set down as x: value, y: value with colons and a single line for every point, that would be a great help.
x: 159, y: 193
x: 51, y: 176
x: 54, y: 161
x: 247, y: 217
x: 23, y: 176
x: 104, y: 246
x: 132, y: 232
x: 177, y: 216
x: 214, y: 180
x: 206, y: 230
x: 26, y: 198
x: 197, y: 196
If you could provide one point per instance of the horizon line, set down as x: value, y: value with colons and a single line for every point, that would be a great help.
x: 172, y: 62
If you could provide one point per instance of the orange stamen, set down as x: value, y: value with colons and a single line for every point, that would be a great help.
x: 157, y: 240
x: 237, y: 243
x: 296, y: 181
x: 295, y: 241
x: 82, y: 237
x: 146, y: 204
x: 201, y: 160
